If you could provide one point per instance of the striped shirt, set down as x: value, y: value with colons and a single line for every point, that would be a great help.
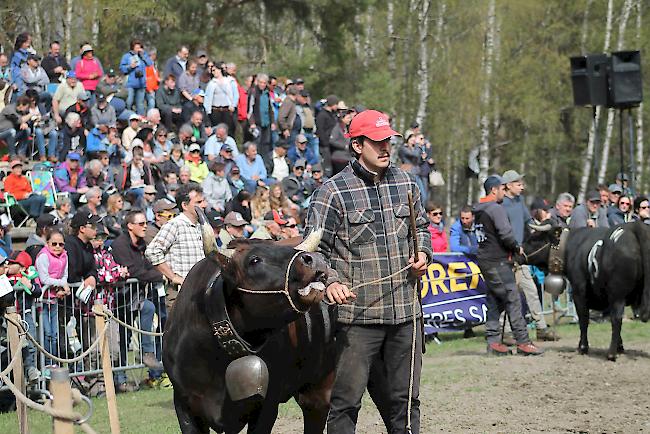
x: 179, y: 243
x: 366, y: 236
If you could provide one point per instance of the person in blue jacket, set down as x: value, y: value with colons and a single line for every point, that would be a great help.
x: 462, y: 236
x: 133, y: 65
x: 22, y: 49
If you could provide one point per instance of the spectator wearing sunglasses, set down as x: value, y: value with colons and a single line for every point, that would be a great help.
x: 436, y: 227
x: 642, y: 209
x: 198, y: 169
x: 621, y: 213
x: 164, y: 210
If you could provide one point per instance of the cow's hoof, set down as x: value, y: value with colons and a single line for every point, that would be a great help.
x: 582, y: 350
x: 620, y: 349
x: 611, y: 357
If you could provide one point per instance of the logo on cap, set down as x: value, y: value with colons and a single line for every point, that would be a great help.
x: 382, y: 122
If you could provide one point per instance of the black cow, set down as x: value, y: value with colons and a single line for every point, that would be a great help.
x: 607, y: 268
x: 297, y: 348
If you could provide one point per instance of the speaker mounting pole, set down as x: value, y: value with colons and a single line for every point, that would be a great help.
x: 632, y: 177
x: 620, y: 140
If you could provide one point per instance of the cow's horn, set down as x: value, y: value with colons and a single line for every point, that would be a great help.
x: 310, y: 244
x: 540, y: 228
x: 209, y: 241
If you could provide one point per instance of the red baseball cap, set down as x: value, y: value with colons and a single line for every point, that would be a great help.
x: 371, y: 124
x: 22, y: 258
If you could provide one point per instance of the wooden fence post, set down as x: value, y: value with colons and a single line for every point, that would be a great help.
x: 61, y: 399
x: 107, y: 368
x: 19, y: 378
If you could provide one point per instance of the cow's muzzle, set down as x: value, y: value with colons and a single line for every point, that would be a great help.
x: 314, y: 268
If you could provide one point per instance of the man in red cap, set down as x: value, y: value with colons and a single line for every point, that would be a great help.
x: 366, y: 220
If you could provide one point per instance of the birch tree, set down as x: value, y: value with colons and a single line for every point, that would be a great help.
x: 589, y: 153
x: 94, y: 31
x: 625, y: 15
x: 390, y: 28
x: 640, y: 163
x: 484, y: 149
x: 67, y: 29
x: 423, y: 68
x: 37, y: 41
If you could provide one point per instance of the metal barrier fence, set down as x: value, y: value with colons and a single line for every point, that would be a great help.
x: 66, y: 328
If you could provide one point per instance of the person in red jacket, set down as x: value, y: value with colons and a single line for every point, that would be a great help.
x: 436, y: 227
x: 19, y: 187
x: 152, y: 79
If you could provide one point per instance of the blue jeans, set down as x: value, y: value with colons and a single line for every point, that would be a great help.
x: 52, y: 137
x: 9, y: 136
x: 313, y: 143
x: 138, y: 95
x: 34, y: 205
x: 29, y: 352
x: 50, y: 324
x: 151, y: 100
x: 119, y: 105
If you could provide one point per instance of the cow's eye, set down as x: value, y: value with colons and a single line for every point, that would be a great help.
x: 254, y: 260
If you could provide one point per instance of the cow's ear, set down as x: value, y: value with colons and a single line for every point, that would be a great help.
x: 221, y: 259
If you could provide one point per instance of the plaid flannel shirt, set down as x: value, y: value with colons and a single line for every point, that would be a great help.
x: 179, y: 243
x: 366, y: 236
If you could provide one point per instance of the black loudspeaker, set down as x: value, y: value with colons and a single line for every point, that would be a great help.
x: 589, y: 79
x: 625, y: 85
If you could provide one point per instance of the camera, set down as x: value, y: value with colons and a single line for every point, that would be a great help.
x: 138, y: 74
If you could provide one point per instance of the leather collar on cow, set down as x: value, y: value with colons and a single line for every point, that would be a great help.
x: 222, y: 328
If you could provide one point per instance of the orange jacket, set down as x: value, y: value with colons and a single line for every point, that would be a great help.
x: 18, y: 186
x: 153, y: 78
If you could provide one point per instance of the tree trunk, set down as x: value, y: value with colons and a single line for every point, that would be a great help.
x: 423, y: 68
x: 593, y: 129
x: 95, y: 23
x: 67, y: 29
x: 37, y: 41
x: 602, y: 173
x: 640, y: 163
x: 484, y: 149
x: 585, y: 28
x: 390, y: 15
x: 369, y: 43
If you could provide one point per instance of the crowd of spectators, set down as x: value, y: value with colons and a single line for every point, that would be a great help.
x: 134, y: 147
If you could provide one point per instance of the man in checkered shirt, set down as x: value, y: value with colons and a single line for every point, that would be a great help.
x: 366, y: 220
x: 179, y: 243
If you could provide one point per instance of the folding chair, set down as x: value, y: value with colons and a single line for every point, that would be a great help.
x: 41, y: 178
x: 11, y: 202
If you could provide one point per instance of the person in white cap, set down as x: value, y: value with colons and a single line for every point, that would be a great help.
x: 365, y: 217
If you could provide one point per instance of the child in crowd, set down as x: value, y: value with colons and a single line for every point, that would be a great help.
x: 52, y: 268
x: 23, y: 276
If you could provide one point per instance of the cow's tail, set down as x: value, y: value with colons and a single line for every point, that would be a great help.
x: 642, y: 233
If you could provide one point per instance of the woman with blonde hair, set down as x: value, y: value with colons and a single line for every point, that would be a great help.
x: 280, y: 202
x: 260, y: 204
x: 114, y: 219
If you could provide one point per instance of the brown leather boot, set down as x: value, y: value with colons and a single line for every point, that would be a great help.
x: 497, y: 349
x: 547, y: 334
x: 529, y: 349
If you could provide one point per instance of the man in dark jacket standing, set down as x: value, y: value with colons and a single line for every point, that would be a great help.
x: 168, y: 101
x: 497, y: 246
x: 128, y: 250
x: 261, y: 117
x: 81, y: 262
x: 325, y: 122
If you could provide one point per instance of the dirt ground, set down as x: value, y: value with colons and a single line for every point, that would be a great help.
x: 465, y: 391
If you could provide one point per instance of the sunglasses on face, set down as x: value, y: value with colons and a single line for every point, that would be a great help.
x: 166, y: 215
x: 141, y: 224
x: 56, y: 244
x: 644, y: 207
x: 148, y: 194
x: 290, y: 226
x: 625, y: 203
x: 299, y: 168
x: 162, y: 135
x: 436, y: 213
x: 195, y: 152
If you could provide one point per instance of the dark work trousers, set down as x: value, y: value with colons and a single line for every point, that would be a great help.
x: 358, y: 346
x: 222, y: 116
x: 503, y: 295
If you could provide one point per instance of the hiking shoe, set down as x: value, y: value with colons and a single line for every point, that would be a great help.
x: 547, y: 335
x: 529, y: 349
x: 508, y: 340
x: 497, y: 349
x: 150, y: 361
x: 33, y: 374
x: 164, y: 382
